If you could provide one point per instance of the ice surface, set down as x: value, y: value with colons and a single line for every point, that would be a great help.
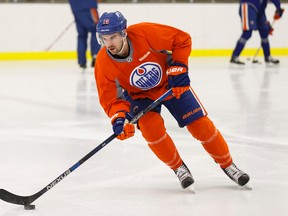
x: 50, y: 118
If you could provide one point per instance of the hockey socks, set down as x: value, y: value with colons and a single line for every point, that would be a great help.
x: 154, y: 131
x: 204, y: 130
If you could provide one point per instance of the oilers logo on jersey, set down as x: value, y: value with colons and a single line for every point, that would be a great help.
x: 146, y: 76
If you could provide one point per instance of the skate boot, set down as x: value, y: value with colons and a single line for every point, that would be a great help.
x: 82, y: 66
x: 269, y: 59
x: 184, y: 175
x: 233, y: 172
x: 235, y: 60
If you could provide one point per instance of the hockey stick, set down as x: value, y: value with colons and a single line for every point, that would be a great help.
x: 26, y: 200
x: 254, y: 60
x: 59, y: 36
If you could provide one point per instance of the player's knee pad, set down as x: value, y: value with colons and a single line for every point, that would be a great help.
x: 264, y: 40
x: 152, y: 126
x: 202, y: 129
x: 245, y: 36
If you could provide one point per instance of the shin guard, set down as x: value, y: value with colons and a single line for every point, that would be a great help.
x: 154, y: 131
x: 213, y: 142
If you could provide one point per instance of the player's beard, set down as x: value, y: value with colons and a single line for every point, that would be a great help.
x: 122, y: 48
x: 121, y: 51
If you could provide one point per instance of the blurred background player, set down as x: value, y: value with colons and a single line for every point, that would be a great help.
x: 253, y: 17
x: 145, y: 60
x: 86, y: 18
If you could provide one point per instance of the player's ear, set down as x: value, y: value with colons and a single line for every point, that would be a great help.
x: 124, y: 33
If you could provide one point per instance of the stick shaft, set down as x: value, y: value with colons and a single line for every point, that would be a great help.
x: 59, y: 36
x: 25, y: 200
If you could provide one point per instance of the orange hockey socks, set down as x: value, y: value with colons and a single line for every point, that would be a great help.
x: 204, y: 130
x: 154, y: 131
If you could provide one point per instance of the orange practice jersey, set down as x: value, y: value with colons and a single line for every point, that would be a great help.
x: 143, y: 72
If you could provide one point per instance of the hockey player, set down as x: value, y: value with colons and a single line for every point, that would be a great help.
x: 86, y: 18
x: 253, y: 17
x: 145, y: 60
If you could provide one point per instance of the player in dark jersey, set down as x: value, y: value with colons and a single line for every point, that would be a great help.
x: 86, y: 18
x: 253, y: 17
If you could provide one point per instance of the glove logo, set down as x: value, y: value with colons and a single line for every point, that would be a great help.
x: 146, y: 76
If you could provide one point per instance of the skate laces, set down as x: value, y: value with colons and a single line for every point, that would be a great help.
x: 233, y: 172
x: 182, y: 172
x: 237, y: 175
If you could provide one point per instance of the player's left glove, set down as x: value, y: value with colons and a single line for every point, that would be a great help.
x: 121, y: 126
x: 178, y: 79
x: 278, y: 13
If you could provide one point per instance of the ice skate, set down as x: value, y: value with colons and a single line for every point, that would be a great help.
x: 185, y: 177
x: 82, y: 67
x: 235, y: 60
x: 238, y: 176
x: 271, y: 60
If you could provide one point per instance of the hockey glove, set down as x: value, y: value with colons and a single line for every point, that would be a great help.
x: 270, y: 28
x: 178, y: 79
x: 121, y: 126
x: 278, y: 13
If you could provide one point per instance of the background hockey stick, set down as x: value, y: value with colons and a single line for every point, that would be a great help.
x: 254, y: 60
x: 59, y: 36
x: 26, y: 200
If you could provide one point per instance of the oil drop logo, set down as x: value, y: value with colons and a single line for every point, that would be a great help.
x: 146, y: 76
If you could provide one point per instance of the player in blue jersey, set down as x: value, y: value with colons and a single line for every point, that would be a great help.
x: 86, y: 18
x: 253, y: 17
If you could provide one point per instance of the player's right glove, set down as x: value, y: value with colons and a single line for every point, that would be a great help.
x: 270, y: 28
x: 178, y: 79
x: 121, y: 126
x: 278, y: 13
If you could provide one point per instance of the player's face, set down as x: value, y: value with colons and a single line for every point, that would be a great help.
x: 113, y: 42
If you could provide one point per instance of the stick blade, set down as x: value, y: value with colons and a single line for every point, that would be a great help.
x: 255, y: 61
x: 13, y: 198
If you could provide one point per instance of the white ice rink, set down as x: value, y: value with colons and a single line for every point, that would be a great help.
x: 50, y: 118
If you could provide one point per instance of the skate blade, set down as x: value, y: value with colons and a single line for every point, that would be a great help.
x: 192, y: 189
x: 256, y: 62
x: 246, y: 187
